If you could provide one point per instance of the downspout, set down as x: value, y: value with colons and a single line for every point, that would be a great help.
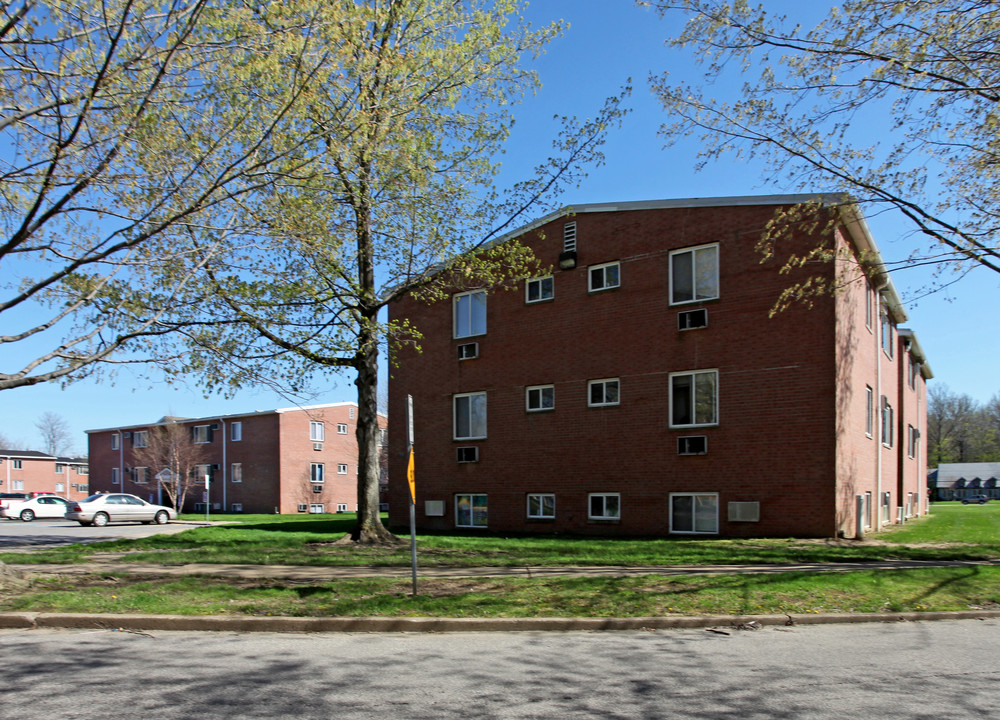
x: 225, y: 467
x: 881, y: 415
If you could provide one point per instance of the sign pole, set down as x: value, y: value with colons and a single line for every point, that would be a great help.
x: 207, y: 496
x: 411, y: 479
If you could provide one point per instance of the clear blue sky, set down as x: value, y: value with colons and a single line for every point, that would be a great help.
x: 608, y: 42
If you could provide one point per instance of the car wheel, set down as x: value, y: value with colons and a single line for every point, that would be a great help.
x: 965, y: 502
x: 27, y: 515
x: 101, y: 519
x: 161, y: 517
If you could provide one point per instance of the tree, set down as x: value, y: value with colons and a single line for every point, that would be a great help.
x: 172, y: 459
x: 57, y: 438
x: 959, y: 429
x: 894, y: 103
x: 411, y: 102
x: 124, y: 125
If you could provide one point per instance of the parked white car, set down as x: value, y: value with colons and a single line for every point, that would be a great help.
x: 41, y: 506
x: 103, y: 508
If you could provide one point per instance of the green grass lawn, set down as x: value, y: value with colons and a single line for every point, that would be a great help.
x: 953, y: 531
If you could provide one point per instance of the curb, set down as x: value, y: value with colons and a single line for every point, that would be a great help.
x: 225, y: 623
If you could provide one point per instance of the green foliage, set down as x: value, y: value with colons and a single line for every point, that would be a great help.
x: 959, y: 429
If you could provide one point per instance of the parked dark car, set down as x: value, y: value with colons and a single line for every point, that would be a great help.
x: 975, y: 499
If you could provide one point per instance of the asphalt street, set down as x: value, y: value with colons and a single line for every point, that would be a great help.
x: 15, y: 534
x: 875, y: 670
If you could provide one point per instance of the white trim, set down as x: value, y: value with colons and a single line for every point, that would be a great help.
x: 694, y: 290
x: 541, y: 284
x: 605, y: 516
x: 605, y: 403
x: 454, y: 416
x: 470, y: 331
x: 541, y: 408
x: 694, y: 514
x: 604, y: 276
x: 715, y: 403
x: 541, y: 505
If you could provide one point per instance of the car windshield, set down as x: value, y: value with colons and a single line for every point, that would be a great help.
x: 92, y: 498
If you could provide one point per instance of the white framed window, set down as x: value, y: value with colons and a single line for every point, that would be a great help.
x: 236, y: 431
x: 83, y: 470
x: 470, y: 416
x: 471, y: 510
x: 887, y: 422
x: 694, y: 274
x: 115, y: 476
x: 604, y: 506
x: 16, y: 464
x: 694, y: 398
x: 542, y: 506
x: 341, y: 428
x: 912, y: 441
x: 694, y: 513
x: 604, y: 277
x: 60, y: 487
x: 140, y: 475
x: 317, y: 509
x: 887, y: 334
x: 540, y: 397
x: 869, y: 411
x: 201, y: 434
x: 16, y: 485
x: 116, y: 440
x: 469, y: 314
x: 869, y: 302
x: 316, y: 472
x: 603, y: 392
x: 303, y: 507
x: 60, y: 469
x: 236, y: 472
x: 913, y: 370
x: 341, y: 507
x: 341, y: 468
x: 539, y: 289
x: 140, y: 438
x: 317, y: 432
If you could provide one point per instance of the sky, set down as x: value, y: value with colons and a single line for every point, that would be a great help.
x: 607, y: 42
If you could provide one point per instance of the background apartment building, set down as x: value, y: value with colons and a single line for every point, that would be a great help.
x: 288, y: 460
x: 642, y: 385
x: 30, y: 471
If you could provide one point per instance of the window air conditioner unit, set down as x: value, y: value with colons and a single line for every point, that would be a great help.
x: 467, y: 351
x: 434, y: 508
x: 317, y: 446
x: 467, y: 454
x: 744, y: 512
x: 691, y: 319
x: 692, y: 445
x: 317, y: 488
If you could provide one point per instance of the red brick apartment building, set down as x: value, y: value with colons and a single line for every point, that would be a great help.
x: 289, y: 460
x: 642, y: 387
x: 31, y: 471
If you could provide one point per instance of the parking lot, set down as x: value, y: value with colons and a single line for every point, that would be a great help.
x: 15, y: 534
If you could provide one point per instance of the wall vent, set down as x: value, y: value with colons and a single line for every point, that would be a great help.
x: 744, y: 512
x: 434, y: 508
x: 692, y: 445
x: 692, y: 319
x: 569, y: 236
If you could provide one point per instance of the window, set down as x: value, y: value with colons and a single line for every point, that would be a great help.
x: 468, y: 351
x: 236, y: 472
x: 341, y: 507
x: 694, y: 398
x: 115, y: 441
x: 201, y: 434
x: 60, y: 468
x: 316, y: 472
x: 913, y: 370
x: 317, y: 509
x: 236, y: 431
x: 604, y: 506
x: 470, y: 314
x: 694, y: 274
x: 303, y: 508
x: 16, y: 464
x: 540, y: 397
x: 692, y: 445
x: 202, y: 471
x: 115, y: 477
x: 470, y: 416
x: 341, y: 468
x: 16, y: 485
x: 140, y: 438
x: 317, y: 433
x: 236, y: 507
x: 341, y: 429
x: 350, y: 413
x: 467, y: 454
x: 83, y: 470
x: 887, y: 420
x: 541, y: 506
x: 869, y: 411
x: 912, y: 441
x: 886, y: 334
x: 140, y: 475
x: 604, y: 277
x: 470, y: 510
x: 539, y: 289
x: 868, y: 303
x: 694, y: 512
x: 692, y: 319
x: 602, y: 392
x: 60, y: 487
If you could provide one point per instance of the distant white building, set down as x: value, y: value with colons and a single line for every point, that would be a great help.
x: 954, y: 481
